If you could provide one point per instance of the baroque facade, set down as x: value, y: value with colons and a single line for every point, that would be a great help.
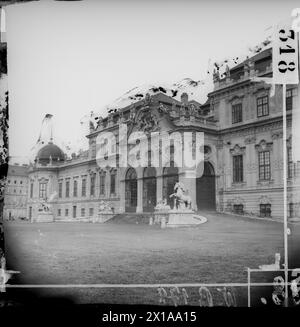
x: 243, y: 153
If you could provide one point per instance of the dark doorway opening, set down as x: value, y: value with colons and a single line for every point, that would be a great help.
x: 206, y: 188
x: 130, y: 190
x: 149, y: 189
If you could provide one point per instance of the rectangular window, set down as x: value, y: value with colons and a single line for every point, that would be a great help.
x: 91, y: 212
x: 31, y: 190
x: 67, y: 189
x: 264, y: 165
x: 74, y: 211
x: 66, y: 212
x: 59, y: 212
x: 92, y: 189
x: 262, y: 106
x: 237, y: 113
x: 83, y: 187
x: 290, y: 94
x: 82, y: 212
x: 75, y: 186
x: 43, y: 190
x: 102, y: 184
x: 113, y: 183
x: 290, y: 163
x: 265, y: 210
x: 60, y: 190
x: 237, y: 168
x: 238, y: 208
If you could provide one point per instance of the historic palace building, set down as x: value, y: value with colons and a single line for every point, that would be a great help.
x: 243, y: 153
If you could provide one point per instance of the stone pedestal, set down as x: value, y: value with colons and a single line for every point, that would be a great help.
x: 43, y: 217
x: 159, y: 215
x: 177, y: 218
x: 180, y: 218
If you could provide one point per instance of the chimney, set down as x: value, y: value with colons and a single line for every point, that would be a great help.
x: 184, y: 98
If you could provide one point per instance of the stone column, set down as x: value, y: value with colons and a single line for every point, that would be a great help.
x: 250, y: 161
x: 122, y: 196
x: 139, y: 207
x: 276, y: 158
x: 159, y: 185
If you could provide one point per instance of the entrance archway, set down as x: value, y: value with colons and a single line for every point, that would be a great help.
x: 206, y: 188
x: 130, y: 190
x: 149, y: 189
x: 170, y: 177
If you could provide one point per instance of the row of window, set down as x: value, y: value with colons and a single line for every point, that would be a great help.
x: 264, y: 209
x: 264, y: 166
x: 15, y: 182
x: 262, y: 105
x: 92, y: 186
x: 74, y: 213
x: 43, y: 187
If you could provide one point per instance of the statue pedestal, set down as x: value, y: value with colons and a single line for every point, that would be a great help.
x: 43, y: 217
x: 159, y: 215
x: 177, y: 218
x: 181, y: 218
x: 103, y: 216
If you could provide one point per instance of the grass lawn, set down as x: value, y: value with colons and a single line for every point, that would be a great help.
x: 86, y: 253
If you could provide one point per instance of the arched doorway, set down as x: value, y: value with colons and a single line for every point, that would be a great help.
x: 149, y: 189
x: 206, y: 188
x: 130, y: 190
x: 170, y: 177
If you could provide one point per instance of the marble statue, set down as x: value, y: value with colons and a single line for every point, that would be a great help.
x: 181, y: 201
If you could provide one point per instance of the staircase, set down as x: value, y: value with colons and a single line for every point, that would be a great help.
x: 130, y: 218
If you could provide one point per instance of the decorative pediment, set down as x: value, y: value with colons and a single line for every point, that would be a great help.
x: 238, y: 200
x: 237, y: 150
x: 277, y: 135
x: 235, y: 99
x: 264, y: 146
x: 261, y: 90
x: 264, y: 200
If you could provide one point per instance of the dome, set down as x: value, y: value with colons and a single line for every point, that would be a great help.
x: 50, y: 152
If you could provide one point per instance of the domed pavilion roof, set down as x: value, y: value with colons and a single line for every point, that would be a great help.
x: 50, y: 152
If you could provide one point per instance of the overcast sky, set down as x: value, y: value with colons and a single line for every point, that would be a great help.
x: 67, y: 59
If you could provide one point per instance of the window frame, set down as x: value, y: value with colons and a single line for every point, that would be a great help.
x: 75, y: 188
x: 237, y: 168
x: 83, y: 187
x: 102, y: 183
x: 43, y: 190
x: 265, y: 210
x: 263, y: 173
x: 237, y: 113
x: 113, y: 182
x: 261, y: 105
x: 67, y: 188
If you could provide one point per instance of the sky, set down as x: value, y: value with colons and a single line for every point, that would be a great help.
x: 67, y: 59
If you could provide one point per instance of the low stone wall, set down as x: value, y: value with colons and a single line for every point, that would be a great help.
x: 43, y: 217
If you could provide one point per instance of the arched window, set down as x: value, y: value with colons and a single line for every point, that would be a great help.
x: 102, y: 182
x: 113, y: 181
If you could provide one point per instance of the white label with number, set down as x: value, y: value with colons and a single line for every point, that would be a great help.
x: 285, y: 55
